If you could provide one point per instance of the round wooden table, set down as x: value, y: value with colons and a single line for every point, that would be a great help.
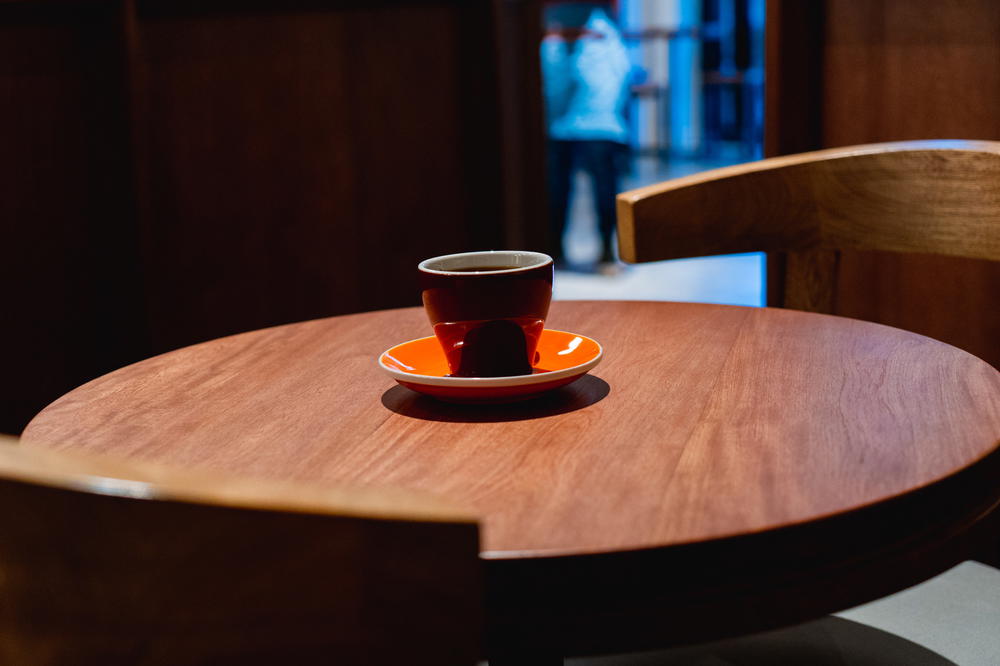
x: 724, y: 470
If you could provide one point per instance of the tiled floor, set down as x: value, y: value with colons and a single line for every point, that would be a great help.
x: 732, y: 279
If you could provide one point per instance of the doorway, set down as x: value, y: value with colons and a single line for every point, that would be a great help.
x: 692, y: 101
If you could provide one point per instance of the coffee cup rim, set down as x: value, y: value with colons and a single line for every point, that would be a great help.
x: 539, y: 260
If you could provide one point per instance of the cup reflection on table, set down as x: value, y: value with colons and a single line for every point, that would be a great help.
x: 488, y: 309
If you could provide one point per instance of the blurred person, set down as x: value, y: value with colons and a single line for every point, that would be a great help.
x: 585, y: 72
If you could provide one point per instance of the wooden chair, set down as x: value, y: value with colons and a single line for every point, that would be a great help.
x: 111, y: 562
x: 929, y: 197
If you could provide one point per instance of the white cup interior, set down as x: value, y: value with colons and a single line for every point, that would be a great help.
x: 519, y: 259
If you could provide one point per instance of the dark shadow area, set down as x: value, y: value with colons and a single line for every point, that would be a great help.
x: 582, y: 393
x: 831, y: 641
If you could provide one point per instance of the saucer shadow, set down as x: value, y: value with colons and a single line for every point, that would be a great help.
x: 582, y: 393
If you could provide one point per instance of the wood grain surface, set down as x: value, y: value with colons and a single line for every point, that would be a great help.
x: 703, y: 422
x: 117, y: 562
x: 724, y: 470
x: 819, y: 213
x: 932, y: 197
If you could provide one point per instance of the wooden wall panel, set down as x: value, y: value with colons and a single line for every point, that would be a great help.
x: 321, y: 153
x: 181, y: 170
x: 793, y: 94
x: 902, y: 70
x: 898, y: 70
x: 518, y: 33
x: 69, y: 264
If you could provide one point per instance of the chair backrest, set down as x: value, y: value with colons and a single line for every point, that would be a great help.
x: 929, y: 197
x: 110, y: 562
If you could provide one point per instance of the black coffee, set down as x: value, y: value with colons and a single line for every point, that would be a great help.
x: 475, y: 269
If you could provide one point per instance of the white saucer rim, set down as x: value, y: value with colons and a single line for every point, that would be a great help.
x: 493, y: 382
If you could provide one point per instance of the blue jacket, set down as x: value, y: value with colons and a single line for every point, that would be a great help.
x: 586, y: 83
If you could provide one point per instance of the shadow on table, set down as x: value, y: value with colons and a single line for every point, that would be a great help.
x: 582, y: 393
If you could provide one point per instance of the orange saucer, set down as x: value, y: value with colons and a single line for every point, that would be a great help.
x: 420, y: 365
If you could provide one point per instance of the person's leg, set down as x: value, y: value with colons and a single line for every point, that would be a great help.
x: 603, y: 162
x: 560, y: 173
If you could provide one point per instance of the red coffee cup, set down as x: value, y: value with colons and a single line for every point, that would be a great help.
x: 488, y: 309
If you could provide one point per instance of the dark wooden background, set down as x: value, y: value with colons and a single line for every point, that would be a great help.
x: 174, y: 171
x: 177, y: 171
x: 844, y: 72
